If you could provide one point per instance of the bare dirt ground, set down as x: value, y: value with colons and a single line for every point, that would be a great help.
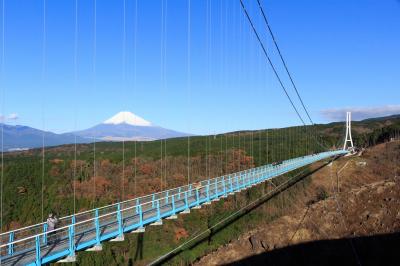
x: 353, y: 198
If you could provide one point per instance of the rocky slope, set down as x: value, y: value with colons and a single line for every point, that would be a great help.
x: 354, y: 198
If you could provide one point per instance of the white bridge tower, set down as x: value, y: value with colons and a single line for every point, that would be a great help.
x: 348, y: 138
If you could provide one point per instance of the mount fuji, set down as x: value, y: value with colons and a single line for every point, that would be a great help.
x: 128, y: 126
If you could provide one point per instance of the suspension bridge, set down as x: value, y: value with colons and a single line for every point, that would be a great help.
x: 35, y: 245
x: 87, y: 230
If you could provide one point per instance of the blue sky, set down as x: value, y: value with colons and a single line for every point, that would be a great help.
x: 342, y: 54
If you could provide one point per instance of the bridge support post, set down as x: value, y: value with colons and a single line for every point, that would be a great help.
x: 140, y: 229
x: 173, y: 212
x: 215, y: 198
x: 71, y: 244
x: 140, y: 216
x: 237, y: 182
x: 186, y: 200
x: 137, y: 206
x: 230, y: 185
x: 97, y: 227
x: 44, y: 235
x: 224, y: 185
x: 197, y: 200
x: 158, y: 210
x: 173, y: 204
x: 11, y: 246
x: 97, y: 246
x: 120, y: 220
x: 38, y: 259
x: 158, y: 221
x: 216, y: 188
x: 208, y: 193
x: 187, y: 210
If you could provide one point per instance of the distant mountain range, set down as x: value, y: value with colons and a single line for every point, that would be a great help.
x: 122, y: 126
x: 24, y: 137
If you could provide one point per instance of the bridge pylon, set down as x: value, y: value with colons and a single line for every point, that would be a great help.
x: 348, y: 138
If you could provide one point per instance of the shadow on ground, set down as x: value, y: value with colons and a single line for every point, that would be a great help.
x: 370, y: 250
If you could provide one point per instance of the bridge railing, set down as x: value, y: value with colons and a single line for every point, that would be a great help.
x: 126, y: 216
x: 81, y: 216
x: 85, y: 215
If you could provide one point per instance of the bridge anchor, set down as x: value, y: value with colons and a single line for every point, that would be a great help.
x: 95, y: 248
x: 139, y: 230
x: 159, y: 222
x: 118, y: 239
x: 67, y: 259
x: 172, y: 217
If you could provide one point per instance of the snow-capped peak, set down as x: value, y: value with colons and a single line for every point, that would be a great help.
x: 127, y: 118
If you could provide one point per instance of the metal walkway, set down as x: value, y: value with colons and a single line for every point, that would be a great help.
x: 34, y: 245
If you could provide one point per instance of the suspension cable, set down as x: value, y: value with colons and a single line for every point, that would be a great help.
x: 283, y: 61
x: 134, y: 87
x: 270, y: 62
x: 162, y: 85
x: 165, y: 84
x: 188, y: 83
x: 94, y: 86
x: 76, y: 87
x: 274, y: 69
x: 123, y: 90
x: 43, y: 80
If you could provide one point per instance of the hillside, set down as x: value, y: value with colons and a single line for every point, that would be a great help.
x: 358, y: 224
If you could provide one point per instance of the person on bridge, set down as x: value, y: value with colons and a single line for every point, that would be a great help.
x: 52, y: 222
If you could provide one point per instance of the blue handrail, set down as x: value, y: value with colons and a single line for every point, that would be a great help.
x: 36, y: 250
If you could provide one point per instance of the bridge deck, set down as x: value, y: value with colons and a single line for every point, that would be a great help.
x: 34, y: 245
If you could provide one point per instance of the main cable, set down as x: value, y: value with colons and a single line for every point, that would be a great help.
x: 274, y: 69
x: 283, y: 60
x: 288, y: 72
x: 270, y: 62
